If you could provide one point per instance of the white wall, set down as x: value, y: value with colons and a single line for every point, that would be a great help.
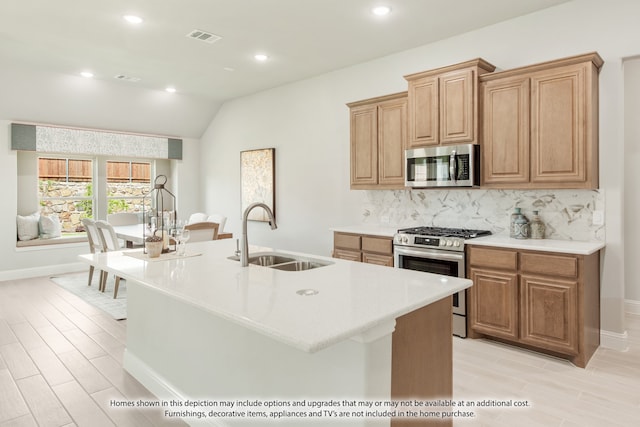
x: 307, y: 122
x: 632, y: 193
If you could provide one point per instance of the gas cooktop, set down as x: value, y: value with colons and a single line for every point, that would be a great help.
x: 451, y: 239
x: 445, y: 232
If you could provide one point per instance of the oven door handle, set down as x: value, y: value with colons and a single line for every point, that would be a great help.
x: 424, y: 253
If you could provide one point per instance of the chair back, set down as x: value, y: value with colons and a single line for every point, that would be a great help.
x: 197, y: 217
x: 202, y: 231
x: 220, y: 219
x: 122, y: 218
x: 93, y: 235
x: 110, y: 241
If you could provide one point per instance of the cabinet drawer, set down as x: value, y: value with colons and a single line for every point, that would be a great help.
x: 347, y: 241
x: 377, y: 244
x: 386, y: 260
x: 348, y: 255
x: 495, y: 258
x: 548, y: 264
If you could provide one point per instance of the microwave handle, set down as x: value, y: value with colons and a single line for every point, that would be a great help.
x: 453, y: 166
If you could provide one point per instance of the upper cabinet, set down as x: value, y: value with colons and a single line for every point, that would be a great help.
x: 443, y: 104
x: 378, y: 141
x: 540, y: 125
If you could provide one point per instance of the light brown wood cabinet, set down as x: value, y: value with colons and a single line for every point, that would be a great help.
x: 540, y: 125
x: 443, y: 104
x: 544, y: 301
x: 363, y: 248
x: 378, y: 141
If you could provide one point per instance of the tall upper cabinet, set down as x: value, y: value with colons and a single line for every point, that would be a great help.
x: 540, y: 125
x: 443, y: 104
x: 378, y: 141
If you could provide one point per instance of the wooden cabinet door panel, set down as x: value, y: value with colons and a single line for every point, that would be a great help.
x: 457, y: 113
x: 348, y: 255
x: 505, y: 143
x: 494, y: 303
x: 423, y: 121
x: 392, y: 141
x: 369, y: 258
x: 346, y: 241
x: 558, y: 116
x: 549, y: 314
x: 364, y: 145
x: 383, y: 245
x: 493, y: 258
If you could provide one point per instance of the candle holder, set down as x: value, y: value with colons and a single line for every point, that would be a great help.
x: 160, y: 218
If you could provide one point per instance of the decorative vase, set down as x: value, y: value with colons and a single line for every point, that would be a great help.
x: 536, y: 227
x: 521, y: 227
x: 154, y: 249
x: 512, y: 225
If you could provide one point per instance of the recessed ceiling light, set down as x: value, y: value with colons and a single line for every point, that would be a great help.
x: 381, y: 10
x: 133, y: 19
x: 171, y: 89
x: 261, y: 57
x: 87, y: 74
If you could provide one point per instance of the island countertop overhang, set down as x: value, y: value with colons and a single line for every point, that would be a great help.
x: 353, y: 299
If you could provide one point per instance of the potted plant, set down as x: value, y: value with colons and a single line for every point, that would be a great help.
x: 154, y: 246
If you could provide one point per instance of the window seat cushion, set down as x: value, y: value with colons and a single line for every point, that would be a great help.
x: 53, y: 241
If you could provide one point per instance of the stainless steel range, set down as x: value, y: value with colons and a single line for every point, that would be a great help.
x: 437, y: 250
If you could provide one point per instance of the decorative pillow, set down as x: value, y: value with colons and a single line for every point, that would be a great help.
x: 50, y: 226
x: 28, y: 226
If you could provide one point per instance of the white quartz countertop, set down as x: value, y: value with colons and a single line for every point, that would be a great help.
x: 546, y: 245
x: 372, y: 230
x: 353, y: 298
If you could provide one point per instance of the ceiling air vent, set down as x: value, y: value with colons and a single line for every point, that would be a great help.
x: 203, y: 36
x: 127, y: 78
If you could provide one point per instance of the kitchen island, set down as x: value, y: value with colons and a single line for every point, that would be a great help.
x: 202, y: 327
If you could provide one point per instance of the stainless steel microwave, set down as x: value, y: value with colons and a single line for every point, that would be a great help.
x: 443, y: 166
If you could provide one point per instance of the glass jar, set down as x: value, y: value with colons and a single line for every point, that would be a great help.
x: 537, y: 227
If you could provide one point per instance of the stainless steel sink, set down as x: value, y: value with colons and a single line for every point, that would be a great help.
x: 283, y: 262
x: 299, y: 265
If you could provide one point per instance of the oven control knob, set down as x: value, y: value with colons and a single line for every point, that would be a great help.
x: 449, y: 243
x: 405, y: 239
x: 456, y: 243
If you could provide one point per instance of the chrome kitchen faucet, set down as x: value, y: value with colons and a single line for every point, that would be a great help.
x: 244, y: 250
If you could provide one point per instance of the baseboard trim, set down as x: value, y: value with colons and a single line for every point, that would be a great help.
x: 632, y: 306
x: 161, y: 388
x: 47, y: 270
x: 614, y: 340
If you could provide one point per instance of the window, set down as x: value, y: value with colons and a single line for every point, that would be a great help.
x: 72, y: 188
x: 65, y: 188
x: 127, y: 183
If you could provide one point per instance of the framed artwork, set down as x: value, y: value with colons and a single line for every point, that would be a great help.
x: 257, y: 181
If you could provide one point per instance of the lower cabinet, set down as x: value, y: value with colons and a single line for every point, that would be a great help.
x: 543, y: 301
x: 363, y: 248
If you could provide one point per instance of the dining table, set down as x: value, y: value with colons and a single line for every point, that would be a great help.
x: 134, y: 234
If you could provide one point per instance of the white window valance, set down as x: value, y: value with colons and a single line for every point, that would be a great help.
x: 51, y: 139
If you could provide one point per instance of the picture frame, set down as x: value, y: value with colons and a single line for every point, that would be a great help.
x: 257, y: 181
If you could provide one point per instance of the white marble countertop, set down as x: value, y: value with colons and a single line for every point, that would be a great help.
x: 546, y: 245
x: 352, y: 300
x: 372, y: 230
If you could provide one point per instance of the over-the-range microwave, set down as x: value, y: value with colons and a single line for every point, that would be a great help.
x: 443, y: 166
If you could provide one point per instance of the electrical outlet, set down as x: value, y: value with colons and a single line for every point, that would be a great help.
x: 598, y: 218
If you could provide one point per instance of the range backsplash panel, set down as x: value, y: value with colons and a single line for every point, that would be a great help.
x: 567, y: 214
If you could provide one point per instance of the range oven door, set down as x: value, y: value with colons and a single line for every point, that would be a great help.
x: 446, y: 263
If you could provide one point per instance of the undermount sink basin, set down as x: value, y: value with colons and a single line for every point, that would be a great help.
x: 283, y: 262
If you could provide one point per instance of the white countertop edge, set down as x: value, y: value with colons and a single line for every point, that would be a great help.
x: 371, y: 230
x: 308, y: 346
x: 543, y: 245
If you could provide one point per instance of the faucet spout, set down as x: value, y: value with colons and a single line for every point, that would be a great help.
x: 244, y: 250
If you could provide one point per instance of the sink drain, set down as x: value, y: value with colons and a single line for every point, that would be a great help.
x: 307, y: 292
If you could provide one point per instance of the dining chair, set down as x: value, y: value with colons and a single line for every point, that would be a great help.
x: 219, y: 218
x: 202, y: 231
x: 197, y: 217
x: 110, y: 242
x: 95, y: 242
x: 122, y: 218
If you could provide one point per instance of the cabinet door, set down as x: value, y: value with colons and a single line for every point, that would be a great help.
x: 493, y: 307
x: 364, y: 145
x: 423, y: 112
x: 457, y: 107
x: 348, y: 255
x: 505, y: 142
x: 558, y: 117
x: 392, y: 141
x: 369, y: 258
x: 549, y: 313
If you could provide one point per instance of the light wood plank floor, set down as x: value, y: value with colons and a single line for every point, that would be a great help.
x: 61, y: 363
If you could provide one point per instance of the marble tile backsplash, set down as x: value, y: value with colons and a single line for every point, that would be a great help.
x: 567, y: 214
